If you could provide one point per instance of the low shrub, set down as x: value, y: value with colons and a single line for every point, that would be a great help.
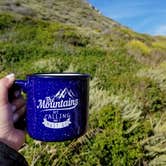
x: 138, y: 47
x: 6, y: 21
x: 159, y: 44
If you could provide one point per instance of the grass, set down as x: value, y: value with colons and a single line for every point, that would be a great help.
x: 62, y: 11
x: 159, y: 44
x: 138, y: 47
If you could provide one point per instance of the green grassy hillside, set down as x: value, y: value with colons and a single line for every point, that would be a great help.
x: 127, y: 120
x: 75, y: 12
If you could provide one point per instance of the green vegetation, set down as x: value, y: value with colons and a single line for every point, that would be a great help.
x: 159, y: 44
x: 78, y: 13
x: 138, y: 47
x: 127, y: 89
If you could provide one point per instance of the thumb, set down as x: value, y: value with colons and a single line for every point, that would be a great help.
x: 5, y: 84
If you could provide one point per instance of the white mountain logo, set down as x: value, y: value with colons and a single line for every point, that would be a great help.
x: 64, y: 93
x: 64, y: 99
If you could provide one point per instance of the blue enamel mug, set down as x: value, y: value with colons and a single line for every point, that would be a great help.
x: 57, y: 105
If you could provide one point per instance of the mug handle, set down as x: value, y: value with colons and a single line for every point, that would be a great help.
x: 22, y: 84
x: 19, y: 85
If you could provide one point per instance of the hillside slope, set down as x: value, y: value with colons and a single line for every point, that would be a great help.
x: 76, y: 12
x: 127, y: 89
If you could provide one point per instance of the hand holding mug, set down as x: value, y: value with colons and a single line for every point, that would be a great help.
x: 10, y: 113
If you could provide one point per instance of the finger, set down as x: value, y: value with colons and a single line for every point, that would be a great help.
x: 17, y: 104
x: 10, y: 78
x: 18, y: 114
x: 5, y: 84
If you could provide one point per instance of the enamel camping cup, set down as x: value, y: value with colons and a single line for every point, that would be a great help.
x: 57, y: 105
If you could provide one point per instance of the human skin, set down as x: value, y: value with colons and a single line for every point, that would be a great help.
x: 10, y: 113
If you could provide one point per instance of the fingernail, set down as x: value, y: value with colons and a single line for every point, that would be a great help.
x: 15, y: 117
x: 11, y: 76
x: 17, y: 93
x: 13, y: 108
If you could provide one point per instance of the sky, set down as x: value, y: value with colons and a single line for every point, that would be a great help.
x: 144, y: 16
